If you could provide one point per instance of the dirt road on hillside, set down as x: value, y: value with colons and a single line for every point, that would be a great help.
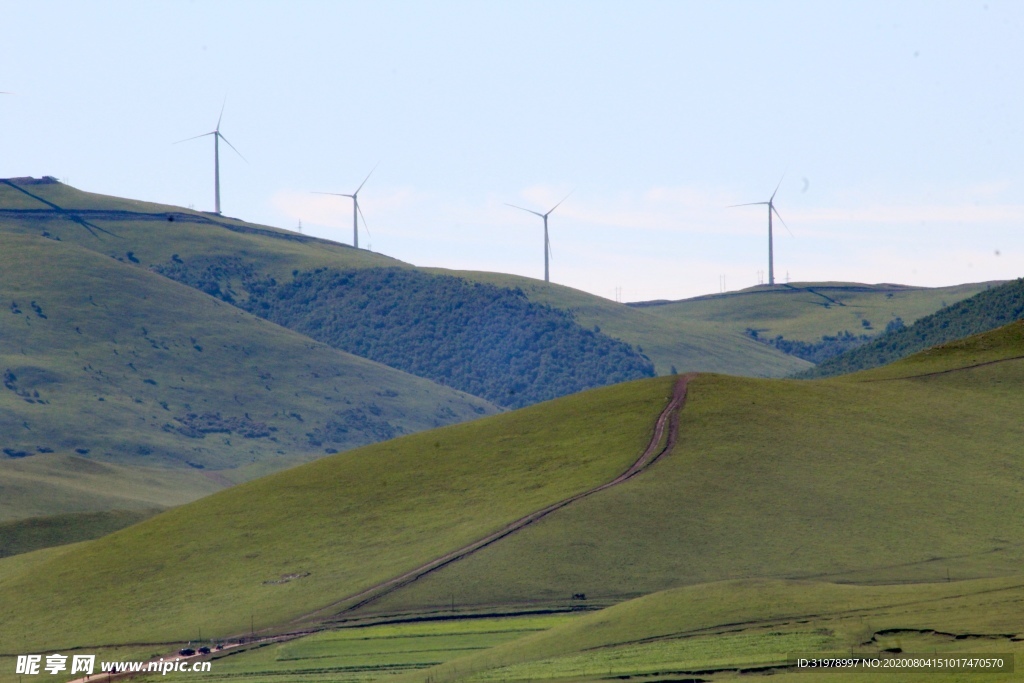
x: 667, y: 420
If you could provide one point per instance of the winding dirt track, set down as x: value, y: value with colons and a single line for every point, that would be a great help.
x: 667, y: 420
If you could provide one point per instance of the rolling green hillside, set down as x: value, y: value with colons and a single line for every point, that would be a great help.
x: 674, y: 345
x: 864, y: 479
x: 720, y: 628
x: 167, y: 237
x: 27, y: 535
x: 861, y: 479
x: 49, y: 484
x: 806, y: 311
x: 119, y: 364
x: 272, y: 549
x: 984, y: 311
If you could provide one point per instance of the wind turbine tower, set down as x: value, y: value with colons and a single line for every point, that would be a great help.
x: 547, y: 242
x: 771, y: 209
x: 356, y: 211
x: 217, y: 137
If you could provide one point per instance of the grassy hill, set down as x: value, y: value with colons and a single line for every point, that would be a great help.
x: 60, y: 483
x: 679, y: 344
x: 984, y: 311
x: 908, y: 475
x: 814, y: 321
x: 170, y: 237
x: 272, y: 549
x: 721, y: 628
x: 806, y: 311
x: 120, y: 364
x: 864, y: 479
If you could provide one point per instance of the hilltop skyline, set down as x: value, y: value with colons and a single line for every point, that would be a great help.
x: 896, y: 129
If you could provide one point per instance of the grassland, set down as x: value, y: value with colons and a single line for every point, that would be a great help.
x: 60, y: 483
x: 685, y: 344
x: 123, y: 365
x: 712, y: 631
x: 806, y: 311
x: 273, y: 549
x: 911, y: 479
x: 140, y: 234
x: 26, y: 535
x: 985, y: 311
x: 373, y: 652
x: 716, y: 630
x: 123, y: 225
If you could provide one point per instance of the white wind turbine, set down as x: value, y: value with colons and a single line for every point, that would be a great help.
x: 771, y: 209
x: 217, y: 137
x: 547, y: 242
x: 356, y: 211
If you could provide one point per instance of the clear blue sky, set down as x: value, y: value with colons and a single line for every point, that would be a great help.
x: 898, y: 127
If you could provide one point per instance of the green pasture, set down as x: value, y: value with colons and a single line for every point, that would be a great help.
x: 370, y: 653
x: 917, y: 479
x: 688, y: 345
x: 155, y: 240
x: 110, y: 361
x: 713, y: 631
x: 26, y: 535
x: 60, y: 483
x: 807, y: 311
x: 271, y: 550
x: 997, y: 347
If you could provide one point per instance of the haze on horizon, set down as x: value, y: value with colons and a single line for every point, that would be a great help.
x: 897, y: 128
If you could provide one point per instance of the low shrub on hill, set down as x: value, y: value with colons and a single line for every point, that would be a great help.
x: 485, y: 340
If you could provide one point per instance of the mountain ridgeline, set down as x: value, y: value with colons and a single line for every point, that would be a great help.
x: 489, y: 341
x: 982, y: 312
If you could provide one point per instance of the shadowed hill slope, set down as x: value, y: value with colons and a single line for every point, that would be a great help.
x: 488, y: 341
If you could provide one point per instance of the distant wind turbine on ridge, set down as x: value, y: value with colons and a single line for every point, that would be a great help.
x: 771, y: 209
x: 356, y: 211
x: 547, y: 242
x: 217, y: 137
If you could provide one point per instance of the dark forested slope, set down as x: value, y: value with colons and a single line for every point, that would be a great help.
x: 486, y: 340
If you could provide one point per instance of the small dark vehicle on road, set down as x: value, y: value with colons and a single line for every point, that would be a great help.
x: 186, y: 652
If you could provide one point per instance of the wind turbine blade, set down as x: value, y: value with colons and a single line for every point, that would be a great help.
x: 333, y: 194
x: 365, y: 226
x: 196, y: 137
x: 366, y: 178
x: 526, y: 210
x: 223, y: 104
x: 733, y: 206
x: 783, y: 222
x: 559, y: 203
x: 778, y: 186
x: 232, y: 147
